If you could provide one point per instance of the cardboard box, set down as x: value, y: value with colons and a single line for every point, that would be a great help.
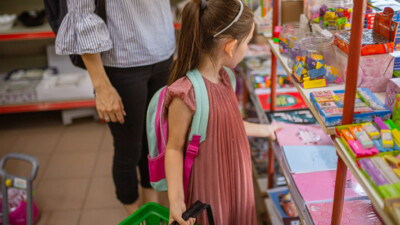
x: 393, y: 88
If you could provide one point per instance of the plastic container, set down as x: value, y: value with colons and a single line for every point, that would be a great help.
x: 288, y: 29
x: 335, y: 14
x: 7, y: 21
x: 327, y: 50
x: 295, y: 46
x: 311, y: 8
x: 150, y: 213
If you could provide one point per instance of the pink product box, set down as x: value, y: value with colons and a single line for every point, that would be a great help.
x: 393, y: 88
x: 374, y: 71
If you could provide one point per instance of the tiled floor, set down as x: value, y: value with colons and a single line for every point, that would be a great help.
x: 74, y: 184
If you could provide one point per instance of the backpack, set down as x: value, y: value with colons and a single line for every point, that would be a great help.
x: 157, y: 130
x: 56, y: 11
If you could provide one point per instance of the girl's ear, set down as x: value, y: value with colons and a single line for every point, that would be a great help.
x: 230, y: 44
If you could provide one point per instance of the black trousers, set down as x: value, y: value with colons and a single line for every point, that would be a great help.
x: 136, y: 86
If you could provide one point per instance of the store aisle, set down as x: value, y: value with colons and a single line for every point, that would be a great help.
x: 74, y: 184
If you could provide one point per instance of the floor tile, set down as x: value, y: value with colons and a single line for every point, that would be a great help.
x: 37, y: 142
x: 61, y: 194
x: 103, y: 216
x: 80, y: 141
x: 59, y: 217
x: 107, y: 142
x: 70, y: 165
x: 7, y: 143
x: 101, y: 194
x: 103, y: 166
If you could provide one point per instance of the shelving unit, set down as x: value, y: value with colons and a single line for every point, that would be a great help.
x: 345, y: 160
x: 305, y: 93
x: 20, y: 32
x: 376, y: 200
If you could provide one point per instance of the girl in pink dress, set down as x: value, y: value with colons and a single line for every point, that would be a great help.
x: 215, y: 33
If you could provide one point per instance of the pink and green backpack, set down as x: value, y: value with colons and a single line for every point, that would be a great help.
x: 157, y: 130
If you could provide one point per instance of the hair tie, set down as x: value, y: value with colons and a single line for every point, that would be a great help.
x: 203, y: 4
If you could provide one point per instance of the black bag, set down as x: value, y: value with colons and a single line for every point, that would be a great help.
x: 195, y: 210
x: 56, y: 11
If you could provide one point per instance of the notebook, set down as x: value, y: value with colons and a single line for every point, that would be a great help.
x: 354, y: 212
x: 297, y: 134
x: 310, y: 158
x: 320, y: 186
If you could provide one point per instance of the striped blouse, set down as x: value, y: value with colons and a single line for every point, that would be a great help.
x: 138, y: 32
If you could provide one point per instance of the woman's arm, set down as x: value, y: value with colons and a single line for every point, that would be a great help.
x: 108, y: 102
x: 179, y: 120
x: 261, y: 130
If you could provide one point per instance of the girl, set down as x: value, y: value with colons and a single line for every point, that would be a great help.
x: 215, y: 33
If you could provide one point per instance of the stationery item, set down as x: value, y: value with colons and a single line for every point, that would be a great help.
x: 313, y: 158
x: 284, y: 205
x: 354, y: 212
x: 391, y: 125
x: 379, y: 146
x: 347, y: 135
x: 355, y: 130
x: 295, y: 117
x: 396, y: 136
x: 387, y: 139
x: 301, y: 135
x: 389, y: 190
x: 360, y: 152
x: 385, y: 170
x: 371, y: 130
x: 365, y: 141
x: 323, y: 96
x: 284, y: 101
x: 320, y: 186
x: 379, y: 122
x: 373, y: 171
x: 391, y: 160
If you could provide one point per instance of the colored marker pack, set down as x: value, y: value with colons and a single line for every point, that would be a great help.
x: 387, y: 139
x: 385, y: 170
x: 365, y: 141
x: 347, y: 135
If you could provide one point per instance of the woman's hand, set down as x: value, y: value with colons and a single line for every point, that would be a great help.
x: 109, y: 104
x: 176, y: 209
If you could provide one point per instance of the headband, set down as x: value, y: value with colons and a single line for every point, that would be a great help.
x: 203, y: 4
x: 234, y: 21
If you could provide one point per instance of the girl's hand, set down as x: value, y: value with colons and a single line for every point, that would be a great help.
x: 269, y: 131
x: 176, y: 210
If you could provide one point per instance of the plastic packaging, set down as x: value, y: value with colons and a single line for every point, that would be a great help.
x: 335, y: 15
x: 17, y: 207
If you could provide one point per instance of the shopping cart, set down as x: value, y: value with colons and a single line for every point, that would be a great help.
x: 24, y: 183
x: 154, y: 214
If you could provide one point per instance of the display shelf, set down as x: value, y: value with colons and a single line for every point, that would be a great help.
x: 376, y: 200
x: 47, y: 106
x: 20, y: 32
x: 305, y: 93
x: 301, y: 207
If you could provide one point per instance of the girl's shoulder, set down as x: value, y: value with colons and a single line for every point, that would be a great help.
x: 183, y: 89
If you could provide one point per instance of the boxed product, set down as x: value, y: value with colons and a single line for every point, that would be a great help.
x: 379, y: 40
x: 374, y: 71
x: 330, y: 106
x: 393, y: 88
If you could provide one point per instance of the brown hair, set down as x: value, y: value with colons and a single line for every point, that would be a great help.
x: 199, y: 26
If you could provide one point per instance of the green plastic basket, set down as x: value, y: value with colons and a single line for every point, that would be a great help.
x: 149, y: 214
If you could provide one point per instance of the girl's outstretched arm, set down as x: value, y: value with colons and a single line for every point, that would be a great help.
x: 261, y: 130
x: 179, y: 120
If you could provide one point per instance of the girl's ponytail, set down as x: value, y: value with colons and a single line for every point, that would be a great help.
x: 204, y: 27
x: 189, y: 44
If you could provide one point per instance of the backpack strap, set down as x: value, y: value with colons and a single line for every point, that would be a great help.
x: 199, y: 124
x: 232, y: 77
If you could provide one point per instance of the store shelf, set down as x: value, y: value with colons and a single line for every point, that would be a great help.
x: 305, y: 93
x: 377, y: 201
x: 47, y: 106
x: 301, y: 207
x: 20, y: 32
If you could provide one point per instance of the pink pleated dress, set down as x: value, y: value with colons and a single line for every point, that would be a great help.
x: 221, y: 175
